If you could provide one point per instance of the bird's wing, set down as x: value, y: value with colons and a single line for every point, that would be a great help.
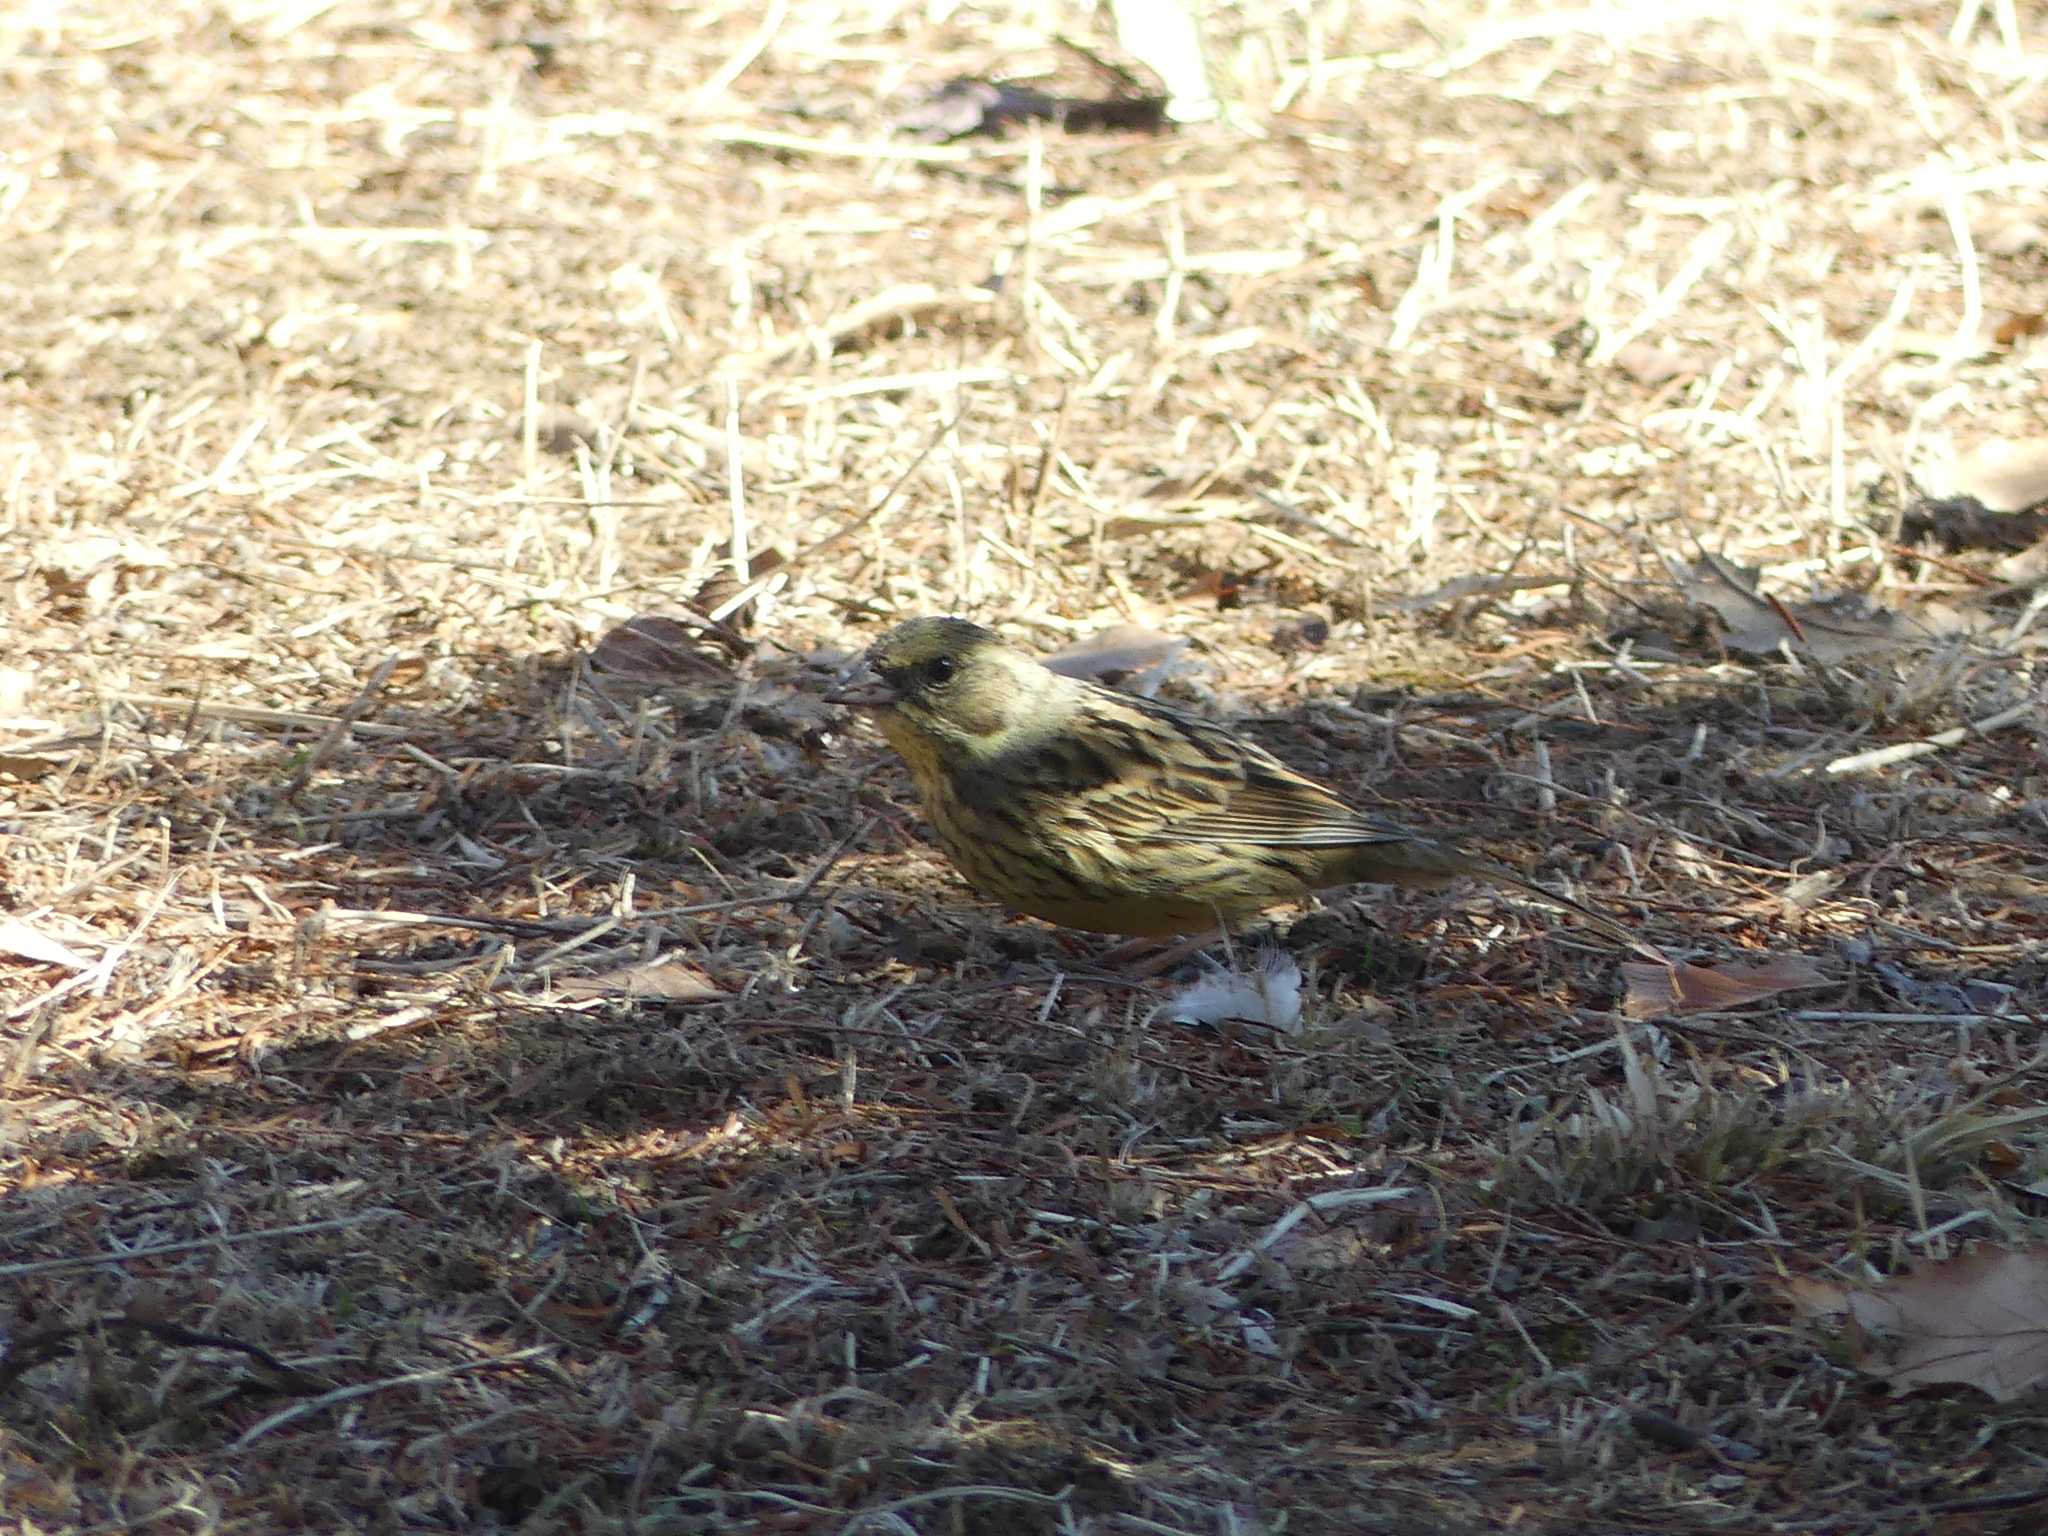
x: 1241, y: 824
x: 1208, y: 786
x: 1278, y: 808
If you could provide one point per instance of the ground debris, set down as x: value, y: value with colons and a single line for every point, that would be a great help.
x: 1980, y: 1320
x: 449, y: 946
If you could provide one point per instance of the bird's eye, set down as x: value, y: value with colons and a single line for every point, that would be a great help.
x: 939, y: 670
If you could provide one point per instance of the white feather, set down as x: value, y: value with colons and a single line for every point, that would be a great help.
x: 1268, y: 993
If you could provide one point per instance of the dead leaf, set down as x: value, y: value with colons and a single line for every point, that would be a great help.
x: 653, y: 648
x: 2001, y: 1158
x: 1653, y: 991
x: 1186, y: 501
x: 14, y: 689
x: 1980, y: 1320
x: 1124, y: 655
x: 19, y: 939
x: 1225, y: 586
x: 1963, y: 522
x: 1919, y: 341
x: 2028, y: 568
x: 2012, y: 237
x: 669, y: 981
x: 1947, y: 994
x: 1308, y: 633
x: 92, y: 567
x: 27, y: 767
x: 74, y: 559
x: 727, y: 599
x: 560, y: 431
x: 2004, y: 475
x: 963, y: 107
x: 2018, y: 325
x: 1831, y: 629
x: 1654, y: 362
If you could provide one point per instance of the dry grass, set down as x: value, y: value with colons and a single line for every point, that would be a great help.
x: 364, y: 363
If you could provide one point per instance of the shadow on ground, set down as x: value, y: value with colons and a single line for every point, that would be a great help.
x: 882, y: 1190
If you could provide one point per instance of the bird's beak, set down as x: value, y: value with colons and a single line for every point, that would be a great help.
x: 862, y: 688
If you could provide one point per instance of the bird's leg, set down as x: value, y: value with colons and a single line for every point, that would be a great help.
x: 1143, y: 957
x: 1137, y: 959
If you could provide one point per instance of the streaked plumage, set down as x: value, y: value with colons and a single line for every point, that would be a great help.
x: 1097, y: 809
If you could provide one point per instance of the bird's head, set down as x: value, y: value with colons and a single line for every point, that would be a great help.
x: 949, y: 689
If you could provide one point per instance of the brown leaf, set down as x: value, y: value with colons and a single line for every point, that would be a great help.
x: 1118, y: 653
x: 1832, y: 629
x: 26, y: 767
x: 75, y: 559
x: 559, y: 431
x: 2005, y: 476
x: 651, y: 647
x: 1649, y: 362
x: 2018, y: 325
x: 1981, y: 1320
x: 1657, y: 990
x: 2002, y: 1158
x: 670, y: 981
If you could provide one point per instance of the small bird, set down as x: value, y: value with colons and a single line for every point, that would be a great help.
x: 1097, y: 809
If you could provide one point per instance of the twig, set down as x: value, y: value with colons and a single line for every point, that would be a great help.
x: 742, y: 60
x: 1906, y: 751
x: 250, y: 714
x: 529, y: 418
x: 1970, y: 326
x: 34, y: 1349
x: 580, y: 931
x: 924, y: 154
x: 1048, y: 460
x: 590, y: 935
x: 864, y: 1516
x: 845, y: 530
x: 324, y: 748
x: 284, y: 1416
x: 1857, y: 1016
x: 1990, y: 1502
x: 904, y: 301
x: 193, y: 1245
x: 736, y: 483
x: 1335, y: 1199
x: 526, y: 927
x: 964, y: 1491
x: 1530, y: 1344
